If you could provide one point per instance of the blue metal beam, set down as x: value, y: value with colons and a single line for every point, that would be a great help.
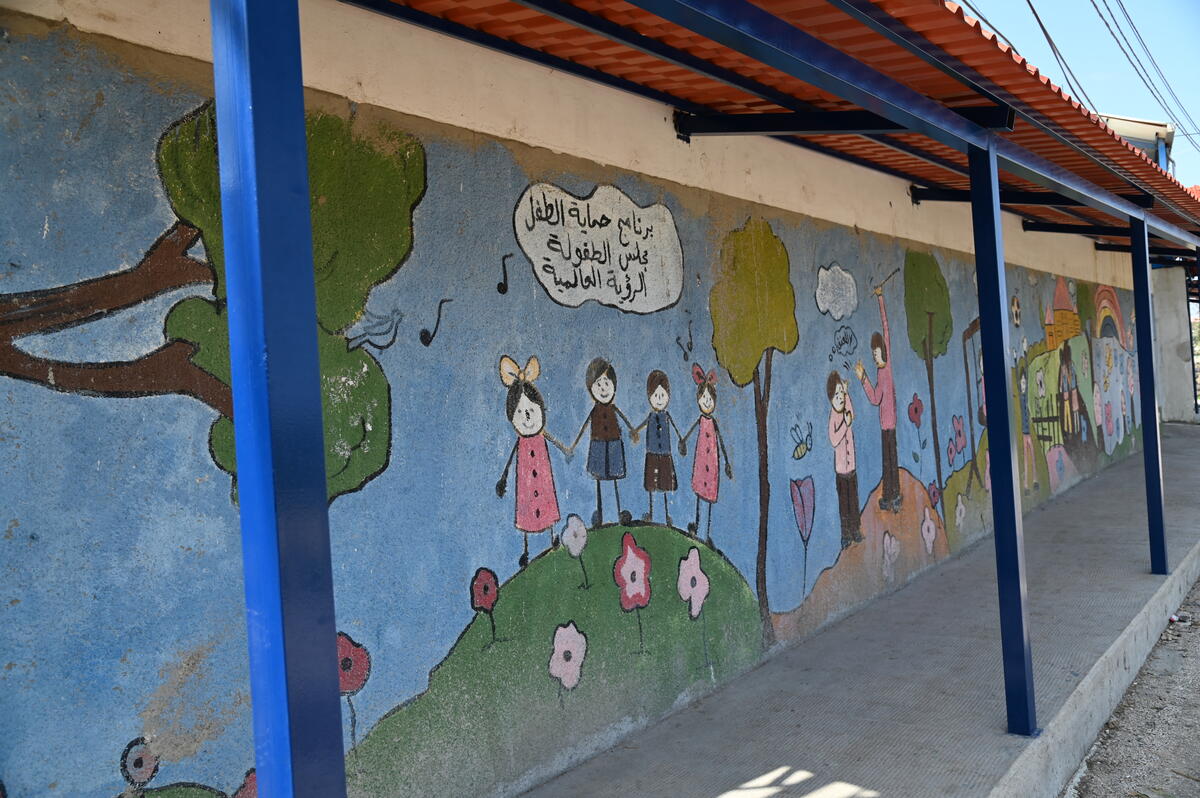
x: 818, y: 123
x: 1006, y: 497
x: 1151, y: 444
x: 759, y: 34
x: 276, y: 398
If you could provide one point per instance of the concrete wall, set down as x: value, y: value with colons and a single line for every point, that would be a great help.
x: 447, y: 260
x: 1173, y: 346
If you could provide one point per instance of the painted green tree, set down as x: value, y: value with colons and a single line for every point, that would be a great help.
x: 364, y: 186
x: 930, y: 326
x: 753, y: 309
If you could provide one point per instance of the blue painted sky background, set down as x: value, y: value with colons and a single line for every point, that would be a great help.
x: 1170, y: 29
x: 126, y: 556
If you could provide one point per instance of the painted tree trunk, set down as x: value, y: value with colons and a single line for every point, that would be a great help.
x: 762, y: 396
x: 937, y: 445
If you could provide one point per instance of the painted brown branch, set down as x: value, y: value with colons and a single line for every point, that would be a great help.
x: 167, y: 370
x: 165, y: 267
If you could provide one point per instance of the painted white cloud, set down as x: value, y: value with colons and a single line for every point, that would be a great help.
x: 837, y: 293
x: 603, y: 247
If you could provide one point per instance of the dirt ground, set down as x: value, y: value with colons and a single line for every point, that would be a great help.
x: 1150, y: 747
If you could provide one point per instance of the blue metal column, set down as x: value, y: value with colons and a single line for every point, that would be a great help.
x: 1006, y: 500
x: 1151, y: 444
x: 276, y: 398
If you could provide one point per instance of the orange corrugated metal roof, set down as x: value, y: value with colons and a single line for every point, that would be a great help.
x: 1078, y: 139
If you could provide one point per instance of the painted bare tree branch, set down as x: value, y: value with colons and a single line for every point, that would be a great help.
x: 167, y: 370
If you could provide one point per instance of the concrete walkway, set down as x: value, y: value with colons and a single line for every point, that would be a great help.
x: 905, y: 697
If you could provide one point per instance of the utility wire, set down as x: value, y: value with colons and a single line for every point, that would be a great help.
x: 1136, y: 68
x: 1154, y: 62
x: 987, y: 22
x: 1069, y: 78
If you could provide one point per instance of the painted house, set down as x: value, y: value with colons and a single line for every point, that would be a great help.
x: 624, y: 361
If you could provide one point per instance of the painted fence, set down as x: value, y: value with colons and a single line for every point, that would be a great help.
x: 594, y: 443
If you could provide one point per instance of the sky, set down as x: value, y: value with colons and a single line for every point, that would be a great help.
x: 1169, y: 27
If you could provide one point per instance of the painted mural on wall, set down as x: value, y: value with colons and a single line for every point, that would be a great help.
x: 591, y: 448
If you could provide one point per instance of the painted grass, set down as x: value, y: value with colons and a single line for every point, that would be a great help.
x: 492, y: 712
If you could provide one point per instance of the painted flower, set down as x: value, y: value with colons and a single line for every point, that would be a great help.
x: 354, y: 665
x: 1108, y: 419
x: 566, y: 658
x: 960, y: 511
x: 891, y: 552
x: 960, y: 436
x: 575, y: 535
x: 1041, y: 384
x: 804, y: 494
x: 138, y: 763
x: 951, y: 451
x: 693, y: 582
x: 929, y: 530
x: 632, y: 574
x: 485, y: 589
x: 1015, y: 307
x: 915, y: 408
x: 935, y: 493
x: 249, y: 788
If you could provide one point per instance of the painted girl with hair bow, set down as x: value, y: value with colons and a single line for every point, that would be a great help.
x: 705, y: 475
x: 537, y: 501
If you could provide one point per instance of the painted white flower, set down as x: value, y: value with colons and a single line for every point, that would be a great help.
x: 693, y: 582
x: 891, y: 551
x: 566, y: 660
x: 929, y: 530
x: 575, y: 535
x: 960, y: 511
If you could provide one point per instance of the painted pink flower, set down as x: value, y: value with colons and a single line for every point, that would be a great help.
x: 915, y: 408
x: 138, y: 763
x: 960, y: 435
x: 693, y: 582
x: 354, y: 665
x: 249, y: 788
x: 485, y: 589
x: 631, y: 572
x: 566, y: 658
x: 950, y: 450
x: 935, y: 493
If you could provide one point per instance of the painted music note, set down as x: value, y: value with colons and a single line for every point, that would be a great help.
x: 426, y: 335
x: 502, y: 286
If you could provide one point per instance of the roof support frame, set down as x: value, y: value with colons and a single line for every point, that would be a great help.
x: 1008, y: 197
x: 818, y: 123
x: 755, y: 32
x: 1006, y: 497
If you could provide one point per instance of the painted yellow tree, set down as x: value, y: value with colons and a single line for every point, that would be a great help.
x: 753, y: 309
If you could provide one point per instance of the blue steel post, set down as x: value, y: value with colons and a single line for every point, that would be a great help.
x: 276, y: 398
x: 1006, y: 500
x: 1151, y: 445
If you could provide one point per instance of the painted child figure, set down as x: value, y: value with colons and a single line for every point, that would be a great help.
x: 841, y: 437
x: 659, y: 475
x: 606, y: 451
x: 537, y: 501
x: 705, y: 467
x: 883, y: 395
x: 1029, y: 473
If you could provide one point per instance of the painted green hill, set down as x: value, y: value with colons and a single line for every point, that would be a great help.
x: 493, y: 713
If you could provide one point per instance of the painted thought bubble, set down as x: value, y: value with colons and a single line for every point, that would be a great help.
x: 603, y: 247
x: 837, y: 293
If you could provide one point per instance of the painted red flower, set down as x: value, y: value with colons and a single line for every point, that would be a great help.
x: 915, y: 408
x: 249, y: 788
x: 935, y: 493
x: 354, y: 664
x: 485, y: 589
x: 632, y: 574
x: 138, y: 763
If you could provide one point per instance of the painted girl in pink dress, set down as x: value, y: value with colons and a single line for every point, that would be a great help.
x: 705, y: 474
x: 537, y: 501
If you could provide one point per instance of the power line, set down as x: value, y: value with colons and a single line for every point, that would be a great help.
x: 1154, y: 62
x: 987, y: 22
x: 1068, y: 75
x: 1133, y: 63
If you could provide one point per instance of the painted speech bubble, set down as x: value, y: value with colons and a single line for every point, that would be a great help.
x: 603, y: 247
